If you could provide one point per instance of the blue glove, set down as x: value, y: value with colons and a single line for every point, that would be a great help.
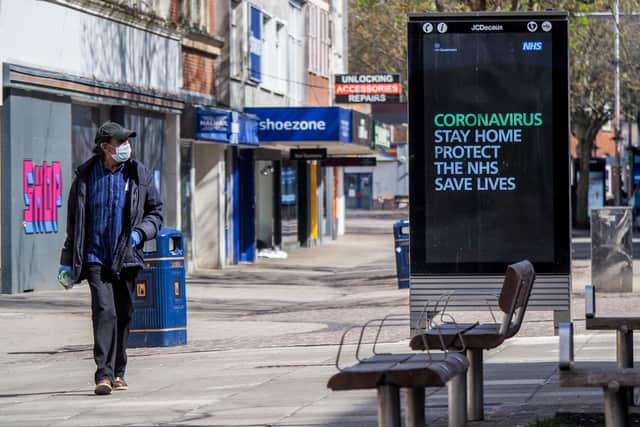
x: 64, y: 277
x: 135, y: 238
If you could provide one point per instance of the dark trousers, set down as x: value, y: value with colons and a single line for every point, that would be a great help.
x: 111, y: 312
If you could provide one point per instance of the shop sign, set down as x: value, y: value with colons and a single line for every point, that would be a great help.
x: 381, y: 135
x: 361, y: 128
x: 367, y: 88
x: 226, y: 126
x: 308, y: 153
x: 303, y: 123
x: 349, y: 161
x: 213, y: 125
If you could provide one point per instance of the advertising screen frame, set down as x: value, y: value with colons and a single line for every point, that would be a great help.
x: 510, y: 22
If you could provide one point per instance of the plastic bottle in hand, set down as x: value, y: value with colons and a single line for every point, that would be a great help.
x: 64, y: 277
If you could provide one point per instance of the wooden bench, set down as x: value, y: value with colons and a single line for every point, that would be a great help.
x: 476, y: 337
x: 389, y: 372
x: 624, y: 327
x: 613, y: 380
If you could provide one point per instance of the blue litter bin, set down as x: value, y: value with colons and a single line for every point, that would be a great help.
x: 401, y: 239
x: 160, y: 303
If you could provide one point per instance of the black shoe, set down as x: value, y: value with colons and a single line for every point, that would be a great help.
x: 103, y: 387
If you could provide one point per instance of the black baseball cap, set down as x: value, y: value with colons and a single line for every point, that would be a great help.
x: 113, y: 130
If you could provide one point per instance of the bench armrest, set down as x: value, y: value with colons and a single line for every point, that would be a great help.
x: 565, y: 331
x: 589, y: 302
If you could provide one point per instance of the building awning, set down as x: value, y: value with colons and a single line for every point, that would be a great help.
x: 22, y: 77
x: 299, y: 127
x: 225, y: 126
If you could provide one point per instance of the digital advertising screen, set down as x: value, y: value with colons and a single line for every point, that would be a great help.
x: 489, y: 156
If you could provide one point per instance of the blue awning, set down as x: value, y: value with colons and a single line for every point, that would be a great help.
x: 231, y: 127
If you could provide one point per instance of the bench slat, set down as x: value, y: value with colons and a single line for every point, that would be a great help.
x: 612, y: 323
x: 599, y: 377
x: 409, y: 370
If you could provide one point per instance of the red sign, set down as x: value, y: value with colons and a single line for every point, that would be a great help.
x: 367, y: 88
x: 386, y: 88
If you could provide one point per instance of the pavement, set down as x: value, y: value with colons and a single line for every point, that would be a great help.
x: 262, y: 344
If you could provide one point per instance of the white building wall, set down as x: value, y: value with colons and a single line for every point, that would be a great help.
x: 58, y: 38
x: 280, y: 24
x: 208, y: 205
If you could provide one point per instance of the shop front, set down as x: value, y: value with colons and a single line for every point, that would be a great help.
x: 218, y: 187
x: 49, y: 121
x: 311, y: 201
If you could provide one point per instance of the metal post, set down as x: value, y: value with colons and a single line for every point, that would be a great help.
x: 415, y: 407
x: 560, y: 316
x: 616, y: 49
x: 457, y: 405
x: 615, y: 411
x: 475, y: 393
x: 624, y: 358
x: 624, y: 348
x: 388, y: 406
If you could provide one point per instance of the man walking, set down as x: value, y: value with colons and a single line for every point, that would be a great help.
x: 113, y: 208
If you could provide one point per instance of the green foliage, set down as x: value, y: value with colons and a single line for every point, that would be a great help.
x: 378, y: 42
x: 552, y: 422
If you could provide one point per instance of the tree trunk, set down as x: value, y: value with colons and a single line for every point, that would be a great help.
x: 587, y: 128
x: 582, y: 191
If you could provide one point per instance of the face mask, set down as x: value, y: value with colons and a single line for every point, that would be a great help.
x: 123, y: 153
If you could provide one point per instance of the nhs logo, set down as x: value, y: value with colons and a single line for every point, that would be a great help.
x: 532, y: 46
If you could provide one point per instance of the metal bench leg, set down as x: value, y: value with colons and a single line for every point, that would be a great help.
x: 415, y: 407
x: 457, y: 401
x: 475, y: 392
x: 624, y: 357
x: 615, y: 409
x: 388, y: 406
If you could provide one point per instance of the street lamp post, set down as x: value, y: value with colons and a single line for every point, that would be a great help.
x: 618, y: 137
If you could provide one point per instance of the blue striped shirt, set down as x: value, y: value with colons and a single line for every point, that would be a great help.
x: 106, y: 196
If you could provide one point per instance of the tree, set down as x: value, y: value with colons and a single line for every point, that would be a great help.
x: 378, y: 28
x: 377, y: 40
x: 592, y: 95
x: 592, y: 83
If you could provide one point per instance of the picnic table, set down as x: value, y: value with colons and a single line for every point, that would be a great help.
x: 617, y: 382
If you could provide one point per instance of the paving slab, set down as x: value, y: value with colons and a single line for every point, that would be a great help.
x: 262, y: 341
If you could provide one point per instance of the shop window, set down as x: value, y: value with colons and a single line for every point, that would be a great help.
x: 288, y: 203
x: 185, y: 182
x: 85, y: 121
x: 148, y: 145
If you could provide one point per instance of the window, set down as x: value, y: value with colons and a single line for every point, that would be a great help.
x: 255, y: 44
x: 236, y: 45
x: 281, y: 58
x: 296, y: 71
x: 269, y: 44
x: 337, y: 38
x: 319, y: 40
x: 268, y: 34
x: 196, y: 13
x: 153, y: 7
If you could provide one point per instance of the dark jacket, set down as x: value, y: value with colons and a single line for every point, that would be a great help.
x: 143, y: 213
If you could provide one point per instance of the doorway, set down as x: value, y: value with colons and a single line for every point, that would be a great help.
x: 358, y: 190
